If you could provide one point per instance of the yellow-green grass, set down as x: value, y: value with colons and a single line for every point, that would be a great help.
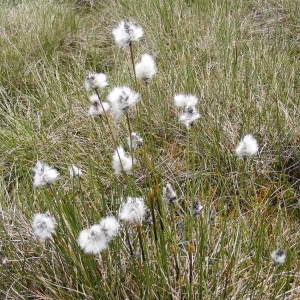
x: 241, y: 58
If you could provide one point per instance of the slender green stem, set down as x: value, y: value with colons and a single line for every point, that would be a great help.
x: 151, y: 198
x: 191, y: 274
x: 110, y: 127
x: 177, y: 268
x: 174, y: 249
x: 132, y: 59
x: 158, y: 201
x: 138, y: 227
x: 190, y: 254
x: 129, y: 242
x: 130, y: 135
x: 107, y: 119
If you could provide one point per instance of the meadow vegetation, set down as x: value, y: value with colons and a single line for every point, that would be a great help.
x: 241, y: 58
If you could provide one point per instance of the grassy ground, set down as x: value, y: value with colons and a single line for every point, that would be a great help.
x: 242, y: 60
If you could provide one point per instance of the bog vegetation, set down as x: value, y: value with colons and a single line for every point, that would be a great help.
x: 149, y: 149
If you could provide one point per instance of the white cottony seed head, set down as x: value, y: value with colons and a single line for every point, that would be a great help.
x: 278, y: 256
x: 95, y: 81
x: 247, y: 146
x: 96, y: 238
x: 169, y: 195
x: 43, y: 225
x: 122, y: 161
x: 197, y: 208
x: 110, y: 227
x: 44, y: 174
x: 136, y: 140
x: 183, y: 100
x: 133, y: 210
x: 189, y: 116
x: 74, y: 171
x: 127, y: 32
x: 97, y: 108
x: 92, y: 240
x: 121, y: 99
x: 146, y: 68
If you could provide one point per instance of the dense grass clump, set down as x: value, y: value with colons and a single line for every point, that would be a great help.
x: 241, y: 59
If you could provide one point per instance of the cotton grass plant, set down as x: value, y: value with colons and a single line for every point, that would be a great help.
x: 125, y: 34
x: 217, y: 239
x: 44, y: 174
x: 43, y: 225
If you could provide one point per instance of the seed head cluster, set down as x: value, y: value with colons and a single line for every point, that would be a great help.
x: 131, y: 210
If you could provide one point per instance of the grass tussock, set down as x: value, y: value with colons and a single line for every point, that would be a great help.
x: 242, y: 61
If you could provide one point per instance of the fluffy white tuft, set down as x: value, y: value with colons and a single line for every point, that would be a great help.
x: 247, y: 146
x: 93, y: 239
x: 169, y: 195
x: 127, y: 32
x: 121, y: 99
x: 146, y: 68
x: 95, y: 81
x: 96, y: 108
x: 182, y: 100
x: 278, y: 256
x: 122, y: 161
x: 110, y: 227
x: 74, y: 171
x: 96, y: 238
x: 136, y: 140
x: 43, y: 225
x: 197, y: 208
x: 44, y: 174
x: 189, y: 116
x: 133, y: 210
